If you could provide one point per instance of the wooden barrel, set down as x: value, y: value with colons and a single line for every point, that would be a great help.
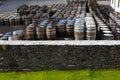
x: 23, y: 20
x: 12, y: 21
x: 37, y: 16
x: 70, y: 28
x: 79, y: 20
x: 4, y: 38
x: 19, y: 34
x: 117, y: 33
x: 101, y: 27
x: 6, y: 21
x: 20, y: 12
x: 79, y: 31
x: 18, y: 20
x: 91, y: 31
x: 30, y: 32
x: 104, y: 29
x: 51, y: 32
x: 26, y: 12
x: 61, y: 28
x: 12, y: 37
x: 45, y: 16
x: 6, y: 35
x: 88, y: 15
x: 28, y: 19
x: 108, y: 37
x: 41, y: 32
x: 91, y: 35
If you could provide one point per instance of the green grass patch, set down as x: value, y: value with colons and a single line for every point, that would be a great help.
x: 63, y: 75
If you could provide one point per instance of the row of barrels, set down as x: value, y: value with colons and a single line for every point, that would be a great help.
x: 48, y: 30
x: 114, y: 21
x: 36, y: 9
x: 61, y: 9
x: 75, y: 1
x: 63, y: 24
x: 104, y: 31
x: 63, y: 12
x: 11, y: 20
x: 15, y: 35
x: 101, y: 16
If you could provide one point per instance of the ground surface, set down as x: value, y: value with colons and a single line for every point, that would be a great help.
x: 9, y: 5
x: 63, y: 75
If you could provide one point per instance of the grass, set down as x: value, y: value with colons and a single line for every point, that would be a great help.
x: 63, y: 75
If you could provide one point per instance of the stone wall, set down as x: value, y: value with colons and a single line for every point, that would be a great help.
x: 51, y: 57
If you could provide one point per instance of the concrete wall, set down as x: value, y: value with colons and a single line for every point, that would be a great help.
x: 58, y: 57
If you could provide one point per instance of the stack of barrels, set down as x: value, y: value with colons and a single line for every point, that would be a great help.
x: 19, y: 34
x: 28, y: 19
x: 79, y: 29
x: 51, y: 31
x: 91, y: 31
x: 11, y: 19
x: 41, y: 30
x: 70, y: 29
x: 30, y: 32
x: 61, y: 28
x: 104, y: 31
x: 114, y: 23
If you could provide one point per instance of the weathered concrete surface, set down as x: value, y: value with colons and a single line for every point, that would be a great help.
x: 52, y: 57
x: 10, y: 5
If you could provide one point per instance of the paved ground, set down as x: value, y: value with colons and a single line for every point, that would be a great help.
x: 9, y: 5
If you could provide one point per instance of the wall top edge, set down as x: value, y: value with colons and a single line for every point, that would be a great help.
x: 82, y: 42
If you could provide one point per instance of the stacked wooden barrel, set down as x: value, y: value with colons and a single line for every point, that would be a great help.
x: 79, y: 29
x: 28, y: 19
x: 30, y: 32
x: 12, y: 37
x: 70, y: 28
x: 51, y: 31
x: 19, y: 34
x: 90, y: 28
x: 61, y: 28
x: 41, y: 30
x: 104, y: 31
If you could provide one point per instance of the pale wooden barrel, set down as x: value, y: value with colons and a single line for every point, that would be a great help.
x: 79, y: 31
x: 91, y: 31
x: 108, y: 37
x: 28, y: 19
x: 12, y: 37
x: 19, y: 34
x: 30, y: 32
x: 51, y: 32
x: 41, y: 32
